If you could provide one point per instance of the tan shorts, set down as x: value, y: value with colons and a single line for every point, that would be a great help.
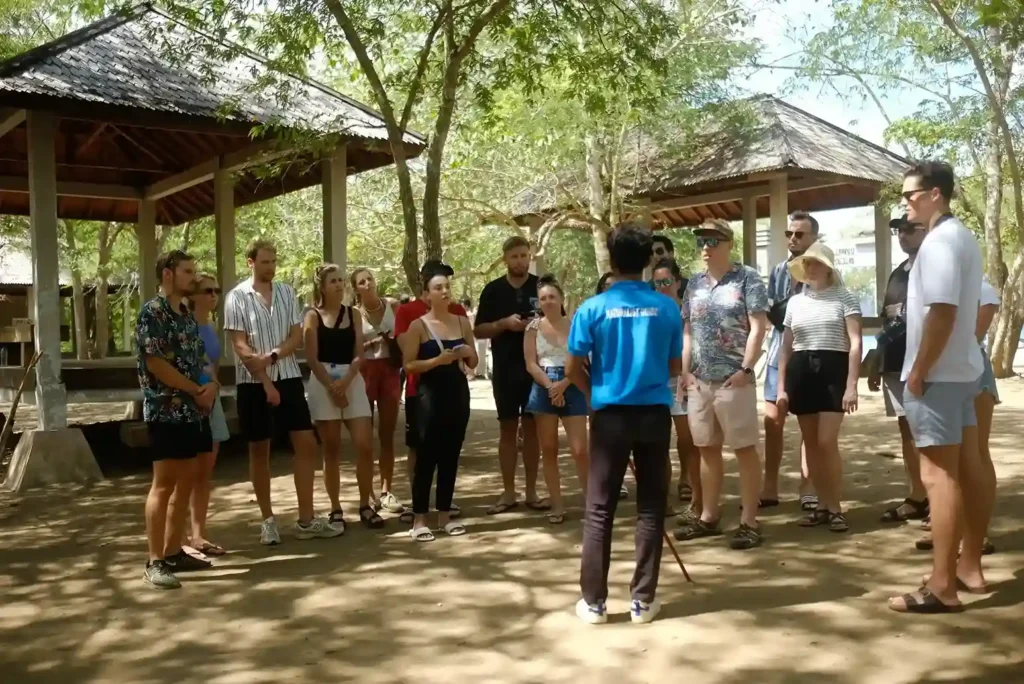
x: 720, y: 415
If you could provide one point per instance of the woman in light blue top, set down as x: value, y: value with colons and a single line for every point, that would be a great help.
x: 204, y: 302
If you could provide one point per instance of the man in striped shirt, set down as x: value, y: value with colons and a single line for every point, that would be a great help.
x: 264, y: 324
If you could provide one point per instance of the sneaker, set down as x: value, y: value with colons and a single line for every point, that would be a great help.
x: 696, y: 530
x: 269, y: 536
x: 642, y: 612
x: 591, y: 614
x: 687, y: 517
x: 390, y: 503
x: 745, y: 537
x: 318, y: 528
x: 184, y: 562
x: 160, y: 576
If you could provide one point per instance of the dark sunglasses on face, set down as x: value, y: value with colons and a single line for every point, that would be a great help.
x: 909, y: 194
x: 798, y: 234
x: 210, y: 291
x: 664, y: 282
x: 658, y: 251
x: 908, y: 228
x: 712, y: 242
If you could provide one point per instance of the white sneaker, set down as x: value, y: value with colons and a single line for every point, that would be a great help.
x: 318, y: 528
x: 641, y: 612
x: 269, y: 536
x: 592, y: 615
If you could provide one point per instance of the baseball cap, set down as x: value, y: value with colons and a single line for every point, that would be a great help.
x: 718, y: 227
x: 902, y: 223
x: 433, y: 267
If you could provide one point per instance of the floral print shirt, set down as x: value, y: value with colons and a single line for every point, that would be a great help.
x: 174, y: 337
x: 719, y: 324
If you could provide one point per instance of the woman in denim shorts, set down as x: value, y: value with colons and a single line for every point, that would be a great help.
x: 553, y: 397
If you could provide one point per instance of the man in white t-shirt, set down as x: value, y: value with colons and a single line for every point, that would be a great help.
x: 941, y: 370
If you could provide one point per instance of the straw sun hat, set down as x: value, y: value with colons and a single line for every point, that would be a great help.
x: 818, y: 252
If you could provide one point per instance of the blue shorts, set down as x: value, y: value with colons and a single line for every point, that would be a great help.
x: 771, y: 383
x: 987, y: 382
x: 218, y: 423
x: 939, y: 416
x: 540, y: 402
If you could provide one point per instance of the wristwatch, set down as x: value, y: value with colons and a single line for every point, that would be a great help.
x: 273, y: 357
x: 748, y: 371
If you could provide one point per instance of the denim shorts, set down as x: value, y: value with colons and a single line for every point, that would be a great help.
x: 987, y: 381
x: 218, y: 423
x: 540, y: 402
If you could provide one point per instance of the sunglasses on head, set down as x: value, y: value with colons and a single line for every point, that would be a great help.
x: 798, y: 234
x: 664, y: 282
x: 712, y: 242
x: 210, y: 291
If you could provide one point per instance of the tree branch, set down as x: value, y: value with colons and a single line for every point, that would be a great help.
x: 422, y: 61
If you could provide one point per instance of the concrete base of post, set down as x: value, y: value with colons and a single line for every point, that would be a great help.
x: 46, y: 457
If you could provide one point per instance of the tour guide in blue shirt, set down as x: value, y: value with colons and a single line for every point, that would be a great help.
x: 634, y: 339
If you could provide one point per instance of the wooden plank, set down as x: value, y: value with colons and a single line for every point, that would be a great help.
x: 180, y: 181
x: 73, y: 189
x: 11, y: 121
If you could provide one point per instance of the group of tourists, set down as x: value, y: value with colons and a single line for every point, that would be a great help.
x: 652, y: 350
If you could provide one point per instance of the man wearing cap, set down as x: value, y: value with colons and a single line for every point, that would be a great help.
x: 724, y: 315
x: 886, y: 363
x: 802, y: 233
x: 404, y: 317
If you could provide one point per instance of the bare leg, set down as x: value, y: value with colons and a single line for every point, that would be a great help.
x: 507, y: 458
x: 750, y: 483
x: 361, y: 431
x: 711, y: 475
x: 811, y: 454
x: 259, y: 474
x: 304, y: 469
x: 689, y: 461
x: 387, y: 417
x: 806, y: 486
x: 911, y: 462
x: 547, y: 435
x: 829, y: 461
x: 576, y: 431
x: 177, y: 510
x: 774, y: 443
x: 978, y: 485
x: 165, y: 477
x: 940, y: 472
x: 531, y: 457
x: 330, y: 449
x: 201, y: 495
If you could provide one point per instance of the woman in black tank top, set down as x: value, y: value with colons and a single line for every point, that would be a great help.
x: 334, y: 344
x: 432, y: 347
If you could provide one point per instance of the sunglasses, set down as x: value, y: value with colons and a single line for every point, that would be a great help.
x: 909, y: 194
x: 210, y: 291
x: 712, y: 242
x: 660, y: 250
x: 798, y: 234
x: 906, y: 228
x: 664, y: 282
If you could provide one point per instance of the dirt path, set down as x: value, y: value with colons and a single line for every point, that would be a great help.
x: 495, y: 605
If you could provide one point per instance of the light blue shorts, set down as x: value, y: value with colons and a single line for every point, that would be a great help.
x: 218, y: 423
x: 678, y: 407
x: 987, y: 382
x: 939, y: 416
x: 771, y: 383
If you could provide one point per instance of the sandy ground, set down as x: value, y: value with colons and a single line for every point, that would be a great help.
x: 496, y: 605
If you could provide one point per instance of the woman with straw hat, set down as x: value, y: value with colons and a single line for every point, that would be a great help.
x: 819, y: 366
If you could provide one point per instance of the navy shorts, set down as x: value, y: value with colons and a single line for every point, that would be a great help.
x: 540, y: 402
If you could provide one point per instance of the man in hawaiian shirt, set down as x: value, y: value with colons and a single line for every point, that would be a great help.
x: 724, y: 315
x: 177, y: 398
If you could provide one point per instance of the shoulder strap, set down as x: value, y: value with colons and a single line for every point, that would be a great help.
x: 341, y: 316
x: 430, y: 329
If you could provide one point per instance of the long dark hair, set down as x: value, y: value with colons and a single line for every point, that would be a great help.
x: 602, y: 282
x: 549, y: 280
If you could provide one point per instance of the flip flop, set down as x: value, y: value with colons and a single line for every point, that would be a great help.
x: 422, y: 534
x: 556, y: 518
x: 501, y: 507
x: 208, y: 549
x: 927, y: 604
x: 454, y: 529
x: 809, y: 502
x: 539, y: 505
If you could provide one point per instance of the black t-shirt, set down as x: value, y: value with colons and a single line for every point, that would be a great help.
x: 894, y: 306
x: 500, y: 300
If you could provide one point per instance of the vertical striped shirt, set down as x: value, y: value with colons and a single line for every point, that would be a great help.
x: 265, y: 329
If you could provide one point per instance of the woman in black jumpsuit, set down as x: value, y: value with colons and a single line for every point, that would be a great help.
x: 432, y: 348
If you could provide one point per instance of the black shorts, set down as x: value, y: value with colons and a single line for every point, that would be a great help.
x: 179, y: 441
x: 511, y: 388
x: 411, y: 406
x: 816, y: 381
x: 259, y: 420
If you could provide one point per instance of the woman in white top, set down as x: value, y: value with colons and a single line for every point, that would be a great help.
x: 382, y: 363
x: 553, y: 397
x: 819, y: 366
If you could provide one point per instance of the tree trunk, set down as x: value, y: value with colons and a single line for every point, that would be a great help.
x: 77, y: 294
x: 993, y: 207
x: 1006, y: 332
x: 596, y: 202
x: 106, y: 240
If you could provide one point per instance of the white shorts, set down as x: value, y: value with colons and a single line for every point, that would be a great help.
x: 322, y: 407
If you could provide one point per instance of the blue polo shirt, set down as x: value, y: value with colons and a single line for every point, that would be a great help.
x: 630, y: 333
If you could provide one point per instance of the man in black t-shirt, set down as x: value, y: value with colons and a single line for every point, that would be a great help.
x: 888, y: 364
x: 506, y: 305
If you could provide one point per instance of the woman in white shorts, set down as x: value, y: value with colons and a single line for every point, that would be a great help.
x: 336, y: 392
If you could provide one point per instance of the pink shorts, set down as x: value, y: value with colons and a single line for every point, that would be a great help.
x: 382, y: 381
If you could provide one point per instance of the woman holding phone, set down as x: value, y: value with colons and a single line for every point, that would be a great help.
x: 432, y: 349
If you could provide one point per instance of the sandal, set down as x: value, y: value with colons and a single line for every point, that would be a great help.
x: 815, y: 518
x: 926, y: 544
x: 455, y: 529
x: 422, y: 534
x: 894, y: 514
x: 962, y: 586
x: 684, y: 492
x: 501, y: 507
x: 927, y: 604
x: 926, y: 524
x: 809, y: 502
x: 556, y: 518
x: 371, y: 518
x: 210, y: 549
x: 539, y: 505
x: 837, y: 523
x: 337, y: 518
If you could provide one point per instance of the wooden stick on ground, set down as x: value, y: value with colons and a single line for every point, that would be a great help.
x: 9, y: 425
x: 668, y: 538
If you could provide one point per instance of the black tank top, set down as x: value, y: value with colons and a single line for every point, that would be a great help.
x: 336, y: 345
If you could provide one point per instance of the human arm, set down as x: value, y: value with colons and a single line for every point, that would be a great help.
x: 310, y: 325
x: 580, y: 345
x: 853, y: 331
x: 410, y: 343
x: 467, y: 352
x: 986, y: 313
x: 357, y: 352
x: 937, y: 328
x: 488, y: 325
x: 940, y: 288
x: 576, y: 373
x: 752, y: 352
x: 785, y: 354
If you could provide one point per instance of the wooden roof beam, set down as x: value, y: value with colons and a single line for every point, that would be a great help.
x: 738, y: 194
x: 260, y: 153
x: 70, y: 189
x: 11, y: 121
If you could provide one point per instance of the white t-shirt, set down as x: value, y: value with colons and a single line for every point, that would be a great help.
x: 947, y: 271
x: 989, y: 296
x: 818, y: 319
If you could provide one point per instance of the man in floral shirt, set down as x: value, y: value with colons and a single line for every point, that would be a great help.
x: 177, y: 398
x: 725, y: 314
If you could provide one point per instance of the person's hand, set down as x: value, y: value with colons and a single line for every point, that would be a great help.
x: 557, y: 389
x: 850, y: 399
x: 874, y: 380
x: 558, y: 401
x: 205, y: 397
x: 737, y: 380
x: 513, y: 323
x: 915, y: 383
x: 339, y: 393
x: 273, y: 396
x: 782, y: 403
x: 257, y: 363
x: 684, y: 383
x: 463, y: 351
x: 447, y: 357
x: 373, y: 340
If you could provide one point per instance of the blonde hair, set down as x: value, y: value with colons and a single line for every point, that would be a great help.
x: 320, y: 274
x: 352, y: 281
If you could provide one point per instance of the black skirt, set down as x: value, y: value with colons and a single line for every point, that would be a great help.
x: 816, y: 381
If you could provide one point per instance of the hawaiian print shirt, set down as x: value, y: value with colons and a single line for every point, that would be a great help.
x: 719, y: 323
x: 174, y: 337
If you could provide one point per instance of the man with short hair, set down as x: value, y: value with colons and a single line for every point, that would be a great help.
x: 177, y: 399
x: 887, y: 365
x: 941, y: 370
x: 506, y: 305
x: 724, y: 325
x: 802, y: 233
x: 263, y: 321
x: 633, y: 338
x: 404, y: 317
x: 662, y: 248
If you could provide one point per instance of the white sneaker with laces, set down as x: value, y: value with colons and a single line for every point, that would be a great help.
x: 642, y: 612
x: 269, y: 536
x: 591, y: 614
x: 318, y: 528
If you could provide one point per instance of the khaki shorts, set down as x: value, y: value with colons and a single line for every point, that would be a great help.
x: 723, y: 416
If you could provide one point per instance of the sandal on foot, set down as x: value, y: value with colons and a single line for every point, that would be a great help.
x: 502, y: 507
x: 926, y: 524
x: 556, y: 518
x: 894, y: 514
x: 455, y: 529
x: 210, y: 549
x: 962, y: 586
x: 988, y: 548
x: 421, y: 534
x: 697, y: 530
x: 808, y: 502
x: 539, y: 505
x: 371, y: 518
x: 815, y: 518
x: 923, y: 602
x: 925, y: 544
x: 837, y: 523
x: 337, y: 518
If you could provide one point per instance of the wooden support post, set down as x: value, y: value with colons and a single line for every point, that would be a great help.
x: 145, y: 234
x: 335, y: 208
x: 51, y: 396
x: 749, y: 205
x: 779, y: 211
x: 224, y: 229
x: 883, y: 256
